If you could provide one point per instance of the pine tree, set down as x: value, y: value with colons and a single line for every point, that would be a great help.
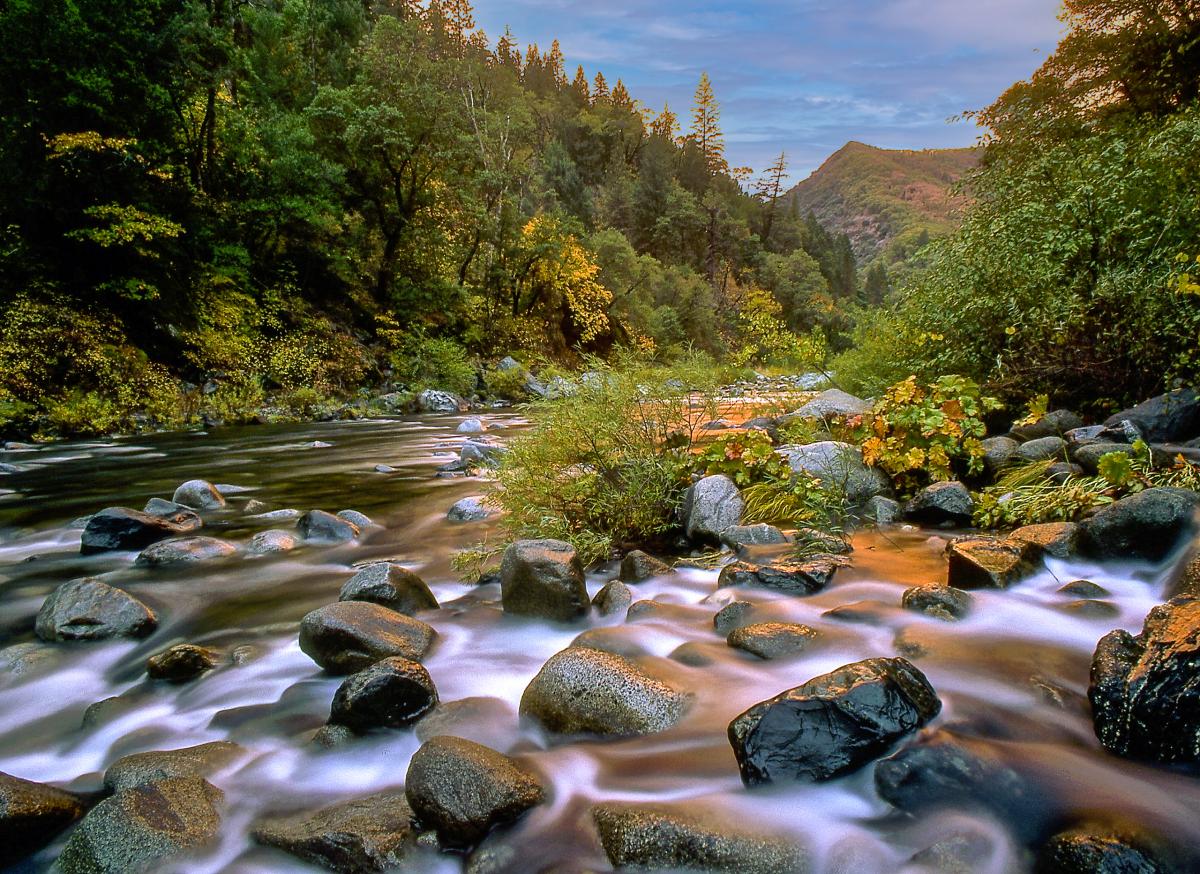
x: 460, y: 15
x: 878, y: 284
x: 620, y: 96
x: 666, y: 124
x: 706, y: 127
x: 557, y: 63
x: 769, y: 189
x: 507, y: 54
x: 600, y: 93
x: 579, y: 87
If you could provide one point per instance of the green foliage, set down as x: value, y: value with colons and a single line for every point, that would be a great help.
x: 1116, y: 469
x: 745, y: 457
x: 507, y: 384
x: 236, y: 401
x: 427, y: 362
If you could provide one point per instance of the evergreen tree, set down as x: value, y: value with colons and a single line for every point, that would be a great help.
x: 600, y: 92
x: 706, y: 127
x: 768, y: 190
x: 620, y: 96
x: 666, y: 124
x: 557, y: 65
x: 579, y: 87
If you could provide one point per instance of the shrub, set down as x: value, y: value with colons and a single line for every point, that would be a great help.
x: 237, y: 401
x: 507, y: 384
x: 424, y: 362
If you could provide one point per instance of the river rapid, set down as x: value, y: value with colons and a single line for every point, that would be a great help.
x: 1012, y: 676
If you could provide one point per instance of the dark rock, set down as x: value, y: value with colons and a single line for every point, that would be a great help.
x: 1043, y: 449
x: 271, y: 542
x: 834, y: 723
x: 1165, y: 419
x: 987, y: 563
x: 772, y: 640
x: 752, y: 535
x: 1090, y: 608
x: 840, y: 467
x: 204, y: 761
x: 882, y: 511
x: 1055, y: 539
x: 732, y: 615
x: 796, y: 577
x: 119, y: 528
x: 587, y: 691
x: 199, y: 495
x: 613, y: 598
x: 637, y: 567
x: 160, y: 507
x: 1148, y: 525
x: 941, y: 602
x: 948, y: 503
x: 710, y: 506
x: 351, y: 635
x: 88, y: 609
x: 182, y: 662
x: 464, y: 790
x: 1088, y: 456
x: 318, y: 526
x: 998, y: 453
x: 1096, y: 851
x: 185, y: 550
x: 1084, y: 589
x: 361, y: 521
x: 1056, y: 423
x: 31, y: 816
x: 392, y: 693
x: 1083, y: 436
x: 543, y: 578
x: 1061, y: 472
x: 471, y: 509
x: 392, y: 586
x: 1185, y: 580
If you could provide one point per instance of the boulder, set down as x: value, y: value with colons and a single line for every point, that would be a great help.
x: 613, y: 598
x: 199, y: 495
x: 1043, y: 449
x: 119, y: 528
x: 182, y: 662
x: 1056, y: 423
x: 752, y: 535
x: 834, y: 723
x: 361, y: 521
x: 204, y: 761
x: 940, y: 602
x: 839, y: 467
x: 1148, y: 525
x: 271, y: 542
x: 184, y: 550
x: 948, y: 503
x: 581, y: 691
x: 655, y: 837
x: 88, y: 609
x: 143, y: 828
x: 472, y: 425
x: 1054, y: 539
x: 1143, y: 689
x: 733, y: 615
x: 471, y: 509
x: 1083, y: 436
x: 317, y: 526
x: 1097, y: 850
x: 772, y: 640
x: 464, y: 790
x: 1061, y: 472
x: 161, y: 507
x: 543, y: 578
x: 368, y: 835
x: 1083, y: 589
x: 433, y: 400
x: 392, y: 586
x: 476, y: 453
x: 31, y: 816
x: 710, y: 506
x: 392, y: 693
x: 1185, y: 580
x: 882, y: 511
x: 998, y: 453
x: 351, y: 635
x: 987, y: 563
x: 793, y: 577
x: 832, y: 403
x: 637, y: 567
x: 1168, y: 418
x: 1088, y: 456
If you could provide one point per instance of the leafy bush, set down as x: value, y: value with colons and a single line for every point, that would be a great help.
x: 236, y: 401
x: 425, y: 362
x: 507, y: 384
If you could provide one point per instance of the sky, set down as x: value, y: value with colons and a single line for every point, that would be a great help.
x: 801, y: 76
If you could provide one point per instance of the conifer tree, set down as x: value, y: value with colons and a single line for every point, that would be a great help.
x: 579, y: 87
x: 600, y: 93
x: 507, y: 53
x: 666, y: 124
x: 769, y: 189
x: 706, y: 127
x: 557, y: 63
x: 620, y: 96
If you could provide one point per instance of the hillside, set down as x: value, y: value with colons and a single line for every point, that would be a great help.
x: 886, y: 200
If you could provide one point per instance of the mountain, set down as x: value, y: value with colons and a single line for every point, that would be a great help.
x: 889, y: 201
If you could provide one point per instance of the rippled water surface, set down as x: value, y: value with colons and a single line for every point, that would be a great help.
x: 1012, y: 676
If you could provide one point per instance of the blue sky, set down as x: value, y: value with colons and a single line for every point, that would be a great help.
x: 801, y: 76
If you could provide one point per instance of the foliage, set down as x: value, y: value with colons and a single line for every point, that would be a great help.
x: 508, y: 384
x: 745, y: 457
x: 426, y: 362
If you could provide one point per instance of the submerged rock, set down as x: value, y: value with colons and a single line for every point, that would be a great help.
x: 271, y: 542
x: 637, y: 567
x: 471, y: 509
x: 318, y: 526
x: 392, y: 693
x: 987, y: 563
x: 351, y: 635
x: 948, y: 503
x: 1148, y: 525
x: 940, y: 602
x: 31, y: 816
x: 119, y: 528
x: 794, y: 577
x: 392, y: 586
x: 88, y: 609
x: 185, y: 550
x: 182, y: 662
x: 543, y: 578
x: 203, y: 760
x: 710, y: 507
x: 199, y: 495
x: 772, y: 640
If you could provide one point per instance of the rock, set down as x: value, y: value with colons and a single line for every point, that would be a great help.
x: 392, y: 586
x: 351, y: 635
x: 361, y: 521
x: 794, y: 577
x: 1054, y: 424
x: 29, y: 658
x: 637, y: 567
x: 1055, y: 539
x: 613, y: 598
x: 318, y: 526
x: 288, y: 515
x: 1061, y: 472
x: 654, y: 837
x: 717, y: 425
x: 1143, y: 689
x: 119, y: 528
x: 948, y: 503
x: 384, y: 468
x: 368, y: 835
x: 987, y: 563
x: 31, y: 816
x: 479, y: 718
x: 543, y: 578
x: 318, y: 444
x: 1088, y: 457
x: 1083, y: 436
x: 471, y: 509
x: 184, y: 550
x: 840, y: 467
x: 710, y: 506
x: 882, y: 511
x: 732, y: 615
x: 392, y: 693
x: 1090, y: 608
x: 473, y: 425
x: 464, y: 790
x: 1084, y: 589
x: 476, y: 453
x: 738, y: 536
x: 874, y: 613
x: 1043, y: 449
x: 1169, y: 418
x: 834, y: 723
x: 255, y: 506
x: 160, y: 507
x: 142, y: 828
x: 204, y: 760
x: 998, y: 453
x: 1091, y: 850
x: 772, y: 640
x: 182, y: 662
x: 1185, y: 580
x: 88, y: 609
x: 1148, y: 525
x: 434, y: 401
x: 940, y: 602
x: 271, y: 542
x: 830, y: 404
x: 199, y: 495
x: 587, y: 691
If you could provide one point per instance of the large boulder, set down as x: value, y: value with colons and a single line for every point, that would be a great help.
x: 998, y: 453
x: 392, y: 693
x: 543, y: 578
x: 941, y: 602
x: 834, y: 723
x: 1169, y: 418
x: 772, y: 640
x: 31, y: 816
x: 1148, y: 525
x: 144, y: 828
x: 88, y: 609
x: 181, y: 663
x: 988, y: 562
x: 184, y: 550
x: 1054, y: 539
x: 199, y: 495
x: 710, y: 506
x: 433, y: 400
x: 1144, y: 689
x: 794, y: 577
x: 463, y: 790
x: 317, y: 526
x: 753, y: 535
x: 832, y: 403
x: 581, y: 691
x: 351, y: 635
x: 1055, y: 423
x: 839, y: 467
x: 948, y: 503
x: 119, y: 528
x: 392, y: 586
x: 204, y: 760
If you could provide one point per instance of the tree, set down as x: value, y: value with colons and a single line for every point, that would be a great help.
x: 579, y: 88
x: 666, y: 124
x: 877, y: 285
x: 706, y: 127
x: 620, y: 96
x: 600, y: 92
x: 768, y: 190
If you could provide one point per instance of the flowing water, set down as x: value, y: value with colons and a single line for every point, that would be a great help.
x: 1012, y: 676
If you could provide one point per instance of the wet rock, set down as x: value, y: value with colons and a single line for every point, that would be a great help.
x: 1084, y: 589
x: 384, y: 468
x: 142, y: 828
x: 469, y: 510
x: 1185, y: 580
x: 479, y: 718
x: 434, y: 401
x: 138, y: 769
x: 738, y: 536
x: 1083, y: 436
x: 637, y: 567
x: 794, y: 577
x: 940, y: 602
x: 1147, y: 525
x: 476, y: 453
x: 361, y: 521
x: 987, y: 563
x: 834, y: 723
x: 199, y: 495
x: 271, y: 543
x: 1042, y: 449
x: 948, y: 503
x: 882, y: 511
x: 1090, y: 608
x: 287, y: 515
x: 772, y: 640
x: 840, y: 467
x: 998, y: 453
x: 962, y: 852
x: 832, y: 403
x: 1143, y: 689
x: 332, y: 737
x: 464, y: 790
x: 392, y: 693
x: 613, y: 598
x: 31, y: 816
x: 662, y: 838
x: 181, y: 663
x: 473, y: 425
x: 1088, y: 457
x: 1056, y: 423
x: 119, y: 528
x: 351, y: 635
x: 543, y: 578
x: 88, y: 609
x: 185, y: 550
x: 1096, y: 851
x: 160, y: 507
x: 392, y: 586
x: 733, y: 615
x: 29, y: 658
x: 1061, y: 472
x: 255, y: 506
x: 318, y: 526
x: 710, y: 506
x: 1055, y: 539
x: 368, y: 835
x: 874, y: 613
x: 1169, y: 418
x: 648, y: 609
x: 587, y: 691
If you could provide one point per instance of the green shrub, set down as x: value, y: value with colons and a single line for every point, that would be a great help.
x: 507, y: 384
x: 425, y: 362
x: 84, y: 414
x: 236, y: 401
